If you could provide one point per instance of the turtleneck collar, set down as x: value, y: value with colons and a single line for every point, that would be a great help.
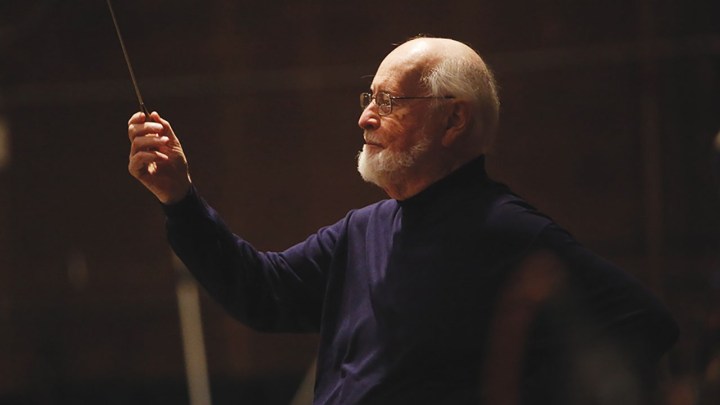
x: 472, y: 172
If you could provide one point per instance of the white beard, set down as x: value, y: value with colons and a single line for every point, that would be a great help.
x: 387, y: 167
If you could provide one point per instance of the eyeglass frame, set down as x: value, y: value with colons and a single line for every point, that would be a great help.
x: 369, y: 97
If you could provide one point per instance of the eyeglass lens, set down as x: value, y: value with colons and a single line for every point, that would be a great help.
x: 382, y: 99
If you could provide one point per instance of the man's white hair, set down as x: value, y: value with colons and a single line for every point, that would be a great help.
x: 468, y: 78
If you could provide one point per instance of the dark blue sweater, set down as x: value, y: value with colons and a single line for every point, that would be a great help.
x: 404, y: 294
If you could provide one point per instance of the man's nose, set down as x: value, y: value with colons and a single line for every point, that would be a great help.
x: 369, y: 119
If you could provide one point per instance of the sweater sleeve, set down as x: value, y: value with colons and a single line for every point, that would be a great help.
x: 267, y: 291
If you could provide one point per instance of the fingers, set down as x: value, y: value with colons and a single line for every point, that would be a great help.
x: 137, y: 118
x: 147, y: 153
x: 140, y: 117
x: 139, y: 125
x: 166, y: 125
x: 148, y: 143
x: 157, y: 158
x: 145, y: 162
x: 145, y: 129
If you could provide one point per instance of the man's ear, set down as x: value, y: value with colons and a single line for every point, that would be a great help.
x: 458, y: 122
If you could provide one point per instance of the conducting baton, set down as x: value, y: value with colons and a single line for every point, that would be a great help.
x: 127, y: 61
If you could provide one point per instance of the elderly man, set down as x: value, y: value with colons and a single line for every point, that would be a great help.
x: 416, y: 297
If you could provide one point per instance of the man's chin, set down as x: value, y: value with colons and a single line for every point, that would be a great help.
x: 363, y: 164
x: 368, y: 165
x: 381, y: 167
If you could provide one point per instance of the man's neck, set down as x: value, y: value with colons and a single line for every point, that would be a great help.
x: 409, y: 185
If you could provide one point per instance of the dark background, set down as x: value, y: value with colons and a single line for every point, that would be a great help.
x: 609, y: 110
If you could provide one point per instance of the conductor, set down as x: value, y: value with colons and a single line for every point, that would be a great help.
x: 407, y: 293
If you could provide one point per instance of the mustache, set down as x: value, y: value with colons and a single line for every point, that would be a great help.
x: 369, y: 138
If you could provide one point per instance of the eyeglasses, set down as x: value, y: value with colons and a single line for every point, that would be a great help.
x: 384, y: 100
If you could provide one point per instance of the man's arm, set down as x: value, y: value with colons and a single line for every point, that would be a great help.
x: 622, y: 309
x: 266, y: 291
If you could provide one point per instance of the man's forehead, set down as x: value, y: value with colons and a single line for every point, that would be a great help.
x: 394, y: 77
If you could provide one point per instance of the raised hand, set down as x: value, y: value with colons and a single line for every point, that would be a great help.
x: 157, y: 158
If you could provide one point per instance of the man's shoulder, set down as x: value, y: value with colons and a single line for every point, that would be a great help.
x: 511, y: 216
x: 382, y: 208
